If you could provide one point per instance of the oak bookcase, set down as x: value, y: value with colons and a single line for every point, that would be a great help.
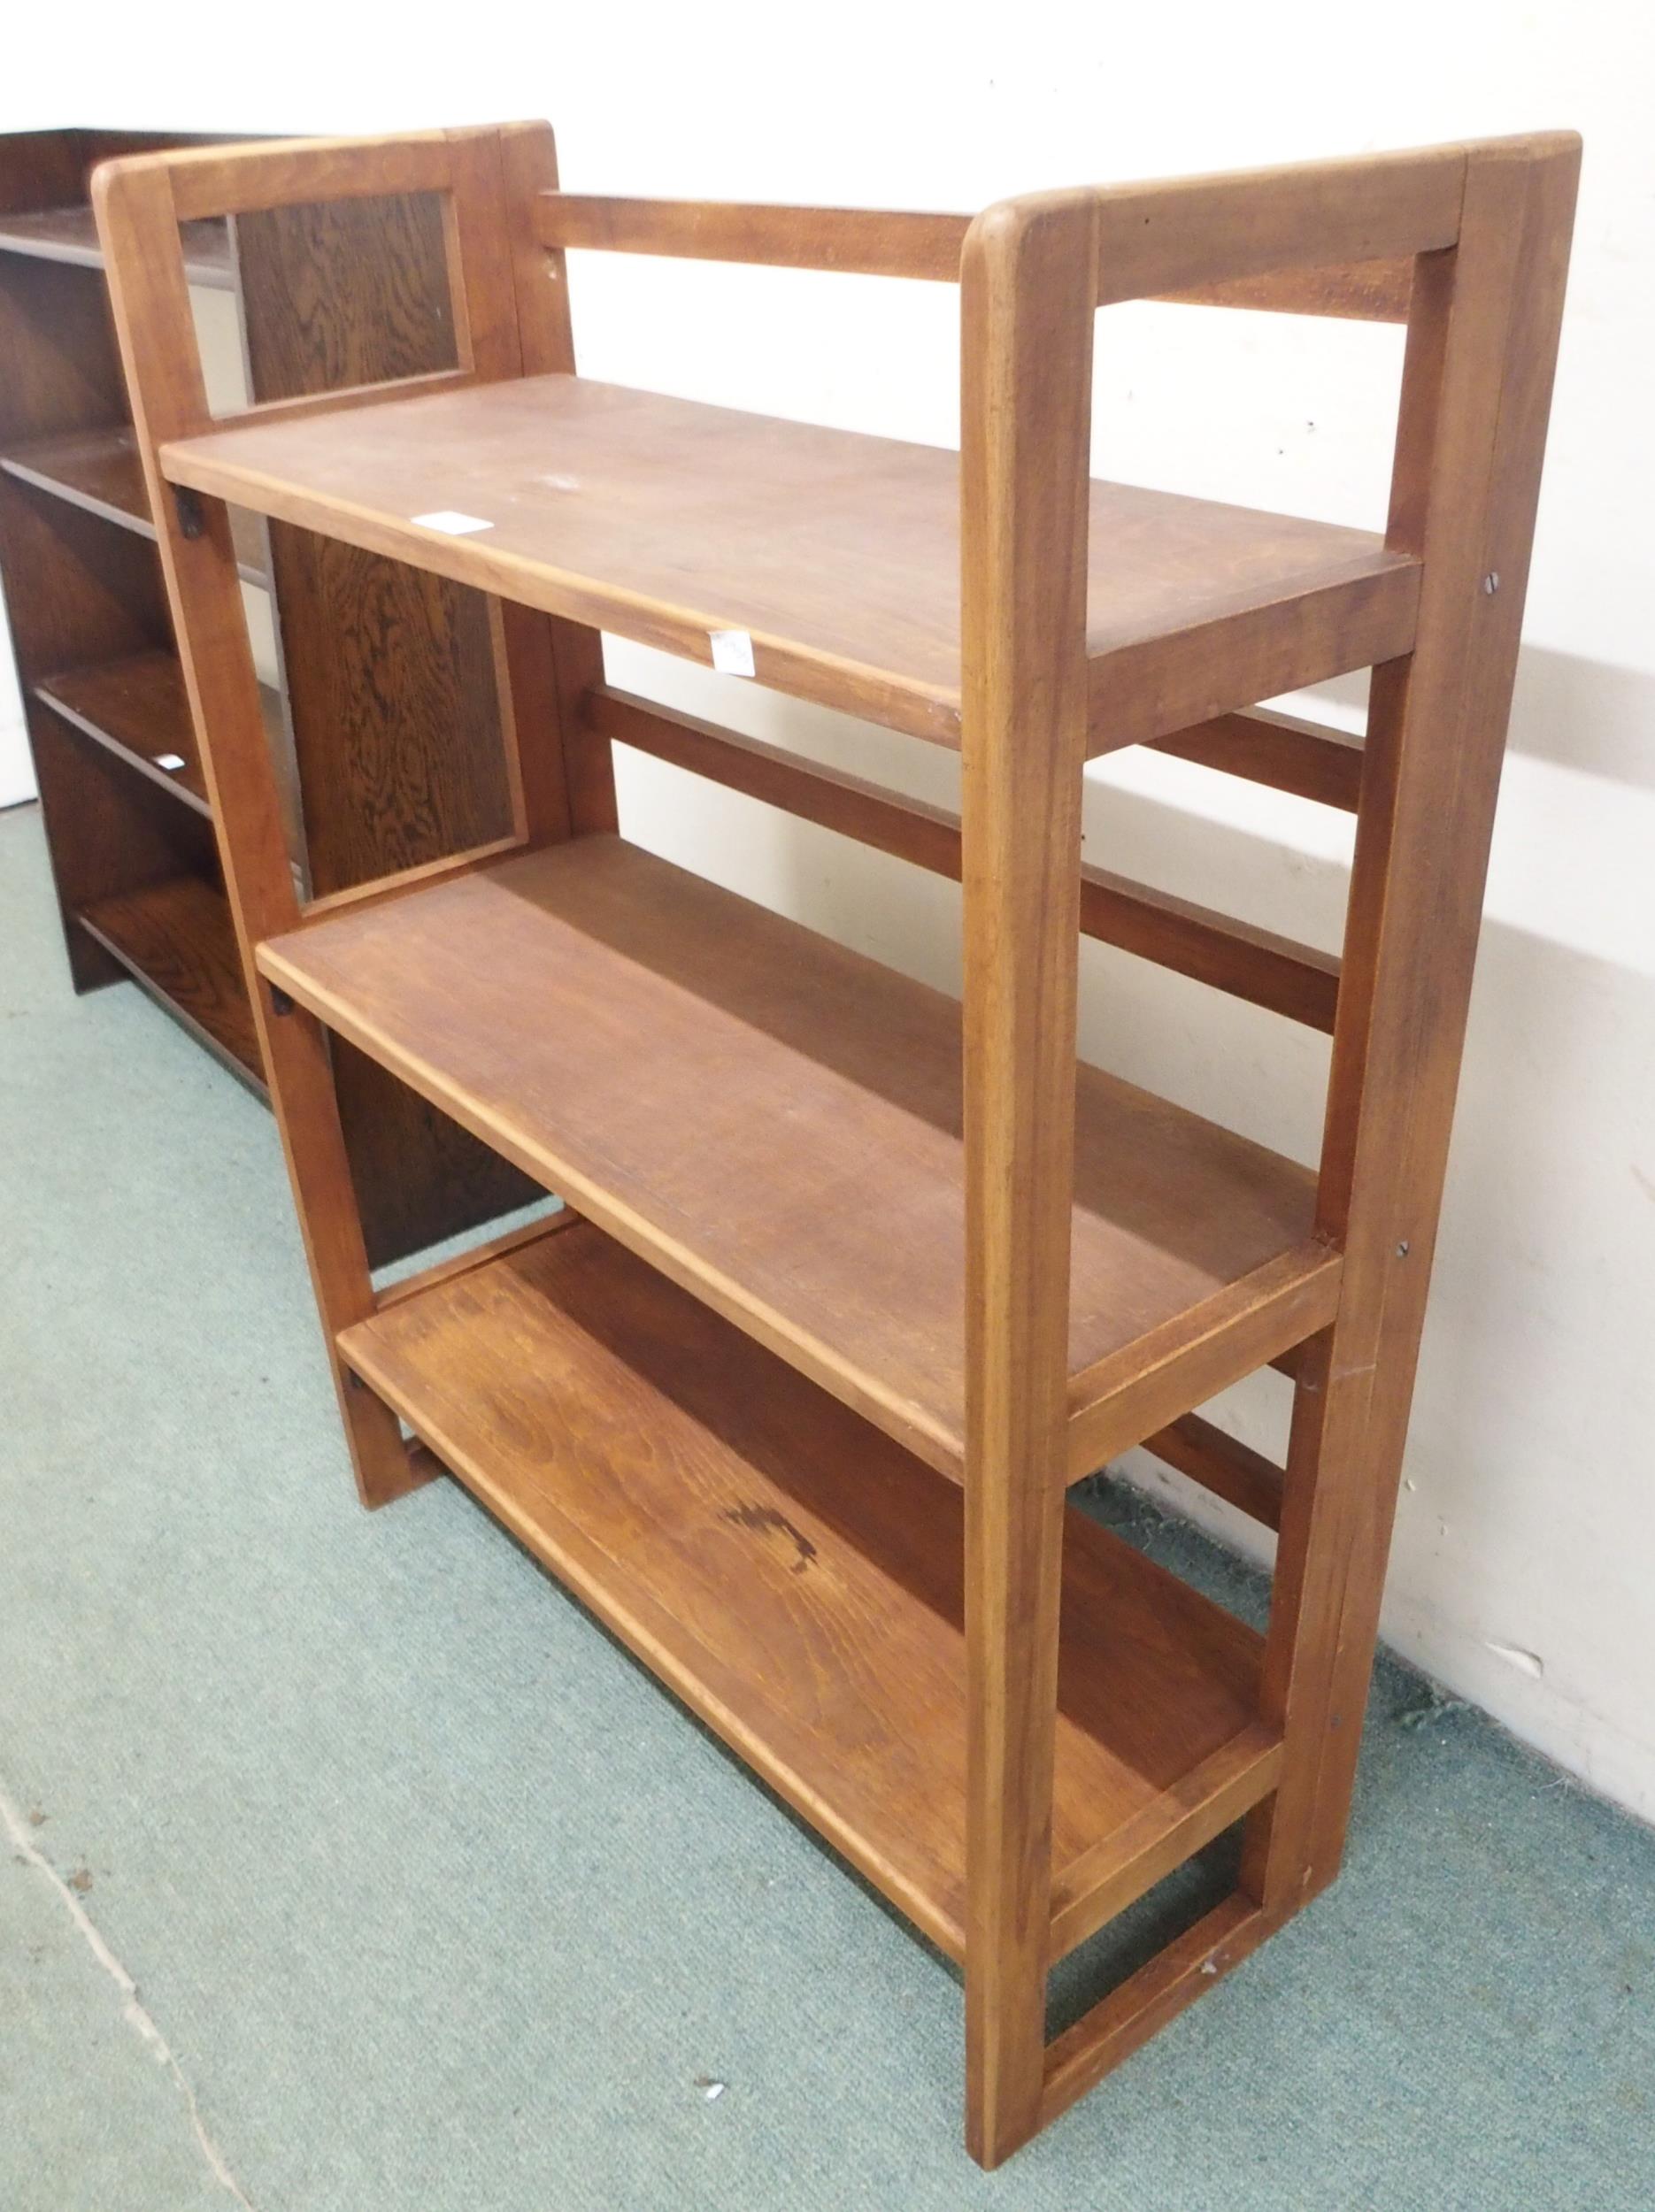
x: 852, y: 1285
x: 288, y: 298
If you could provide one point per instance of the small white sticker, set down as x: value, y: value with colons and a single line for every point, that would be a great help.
x: 169, y: 760
x: 732, y: 652
x: 452, y: 525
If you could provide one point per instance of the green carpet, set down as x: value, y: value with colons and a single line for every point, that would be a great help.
x: 439, y: 1904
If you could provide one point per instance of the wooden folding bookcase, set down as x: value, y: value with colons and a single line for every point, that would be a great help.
x: 792, y: 1394
x: 397, y: 658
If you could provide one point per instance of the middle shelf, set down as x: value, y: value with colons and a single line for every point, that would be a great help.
x: 772, y: 1120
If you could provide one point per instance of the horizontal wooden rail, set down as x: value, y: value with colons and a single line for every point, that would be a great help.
x: 482, y: 1254
x: 853, y: 241
x: 1278, y: 750
x: 1184, y: 1819
x: 1255, y: 964
x: 248, y: 179
x: 1358, y: 291
x: 1275, y: 973
x: 1190, y: 233
x: 332, y: 402
x: 1320, y: 238
x: 1143, y: 2005
x: 1119, y: 1400
x: 865, y: 241
x: 419, y: 877
x: 1231, y: 1470
x: 928, y: 835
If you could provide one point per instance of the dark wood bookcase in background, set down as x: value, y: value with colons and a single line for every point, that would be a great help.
x: 324, y: 297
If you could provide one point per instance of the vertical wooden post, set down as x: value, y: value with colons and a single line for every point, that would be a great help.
x: 1476, y: 388
x: 1028, y: 297
x: 151, y: 303
x: 530, y: 160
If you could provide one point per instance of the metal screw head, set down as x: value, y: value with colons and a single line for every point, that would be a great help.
x: 1402, y: 1250
x: 1491, y: 582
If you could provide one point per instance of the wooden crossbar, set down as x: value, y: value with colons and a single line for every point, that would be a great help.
x: 1279, y: 749
x: 1231, y: 1470
x: 866, y: 242
x: 343, y: 396
x: 1358, y: 291
x: 241, y: 180
x: 1274, y: 972
x: 1129, y: 1395
x: 1129, y: 2016
x: 1190, y: 233
x: 418, y: 878
x: 850, y: 240
x: 480, y: 1254
x: 1195, y: 1809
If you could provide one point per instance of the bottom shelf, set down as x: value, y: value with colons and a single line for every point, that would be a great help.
x: 796, y: 1576
x: 177, y: 940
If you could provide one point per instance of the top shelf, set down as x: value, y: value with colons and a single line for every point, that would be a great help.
x: 70, y: 233
x: 663, y: 520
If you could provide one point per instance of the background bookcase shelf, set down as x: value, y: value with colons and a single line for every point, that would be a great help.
x: 69, y: 235
x: 96, y: 469
x: 100, y: 470
x: 797, y: 1578
x: 138, y: 709
x: 177, y: 941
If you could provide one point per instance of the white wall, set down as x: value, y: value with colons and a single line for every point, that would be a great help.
x: 1525, y: 1559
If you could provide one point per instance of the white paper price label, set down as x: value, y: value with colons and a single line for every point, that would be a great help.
x: 732, y: 652
x: 450, y: 524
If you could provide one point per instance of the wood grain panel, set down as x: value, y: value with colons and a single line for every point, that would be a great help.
x: 391, y: 673
x: 62, y: 372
